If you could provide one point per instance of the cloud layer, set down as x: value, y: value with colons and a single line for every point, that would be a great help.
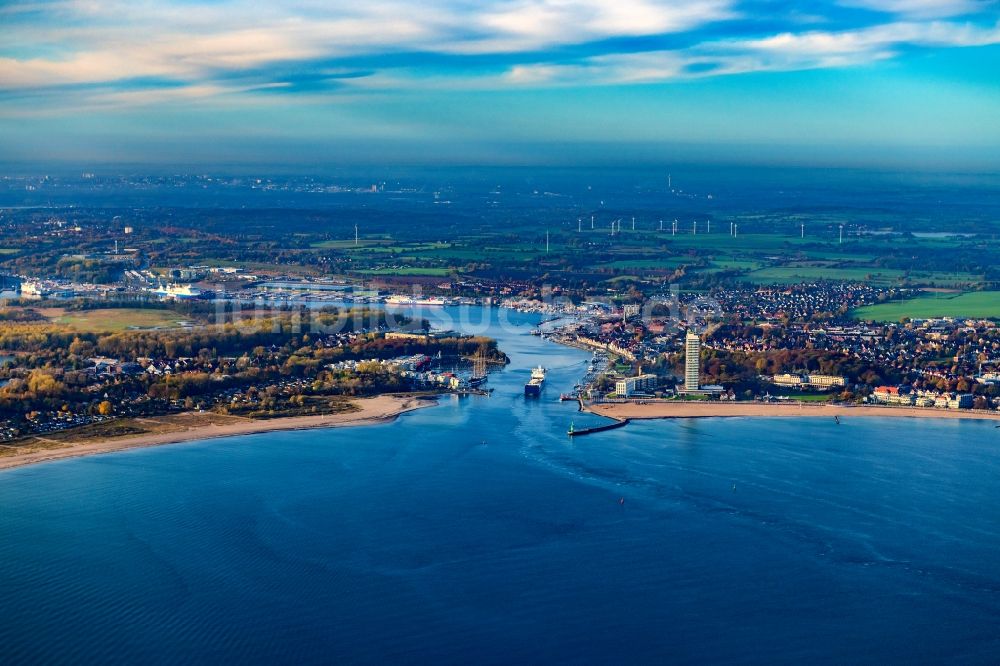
x: 110, y: 53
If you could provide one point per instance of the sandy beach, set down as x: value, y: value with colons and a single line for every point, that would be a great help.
x: 379, y: 409
x: 683, y: 409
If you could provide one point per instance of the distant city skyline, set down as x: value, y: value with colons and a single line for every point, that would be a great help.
x: 843, y: 82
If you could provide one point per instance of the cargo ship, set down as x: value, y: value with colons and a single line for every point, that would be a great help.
x: 534, y: 386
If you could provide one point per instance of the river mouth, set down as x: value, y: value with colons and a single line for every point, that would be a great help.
x: 478, y: 530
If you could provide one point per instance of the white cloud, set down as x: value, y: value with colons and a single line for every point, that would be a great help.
x: 104, y: 40
x: 782, y: 52
x: 208, y: 47
x: 536, y: 24
x: 923, y: 8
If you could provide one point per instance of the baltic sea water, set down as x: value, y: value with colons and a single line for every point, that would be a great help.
x: 476, y: 531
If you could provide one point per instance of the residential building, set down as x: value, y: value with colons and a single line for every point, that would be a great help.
x: 629, y: 386
x: 692, y: 361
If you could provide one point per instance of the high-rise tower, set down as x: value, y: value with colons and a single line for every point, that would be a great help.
x: 692, y: 361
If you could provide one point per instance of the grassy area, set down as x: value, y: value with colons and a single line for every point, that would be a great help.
x: 434, y: 272
x: 794, y: 274
x: 343, y: 244
x: 666, y: 263
x: 112, y: 320
x: 882, y: 276
x: 810, y: 397
x: 736, y: 264
x: 971, y: 304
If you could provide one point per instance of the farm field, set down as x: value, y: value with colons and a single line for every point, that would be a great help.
x: 414, y: 271
x: 985, y: 304
x: 794, y: 274
x: 882, y: 276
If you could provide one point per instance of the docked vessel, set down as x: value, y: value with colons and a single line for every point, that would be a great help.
x: 34, y: 289
x: 410, y: 300
x: 479, y: 376
x: 177, y: 291
x: 534, y: 386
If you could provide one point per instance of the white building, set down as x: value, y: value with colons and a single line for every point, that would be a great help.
x: 692, y: 361
x: 816, y: 381
x: 629, y: 386
x: 826, y: 380
x: 787, y: 380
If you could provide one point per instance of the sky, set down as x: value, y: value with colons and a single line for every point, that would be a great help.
x: 314, y: 82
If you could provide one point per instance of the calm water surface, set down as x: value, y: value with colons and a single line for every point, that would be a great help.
x: 477, y: 531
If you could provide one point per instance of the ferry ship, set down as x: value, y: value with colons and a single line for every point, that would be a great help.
x: 34, y: 289
x: 410, y: 300
x: 534, y: 386
x: 180, y: 291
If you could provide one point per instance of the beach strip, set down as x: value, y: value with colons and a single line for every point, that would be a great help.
x: 379, y: 409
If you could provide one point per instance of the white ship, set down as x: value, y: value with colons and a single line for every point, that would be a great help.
x: 180, y: 291
x: 533, y: 388
x: 33, y: 289
x: 412, y: 300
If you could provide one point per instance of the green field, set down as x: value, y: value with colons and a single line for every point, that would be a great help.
x: 736, y: 264
x: 342, y: 244
x: 972, y: 304
x: 430, y: 272
x: 112, y: 320
x: 666, y: 263
x: 794, y: 274
x: 880, y: 276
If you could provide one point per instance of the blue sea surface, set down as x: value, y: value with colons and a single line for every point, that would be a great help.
x: 476, y: 531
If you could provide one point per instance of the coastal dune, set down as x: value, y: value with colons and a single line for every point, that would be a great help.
x: 379, y: 409
x: 691, y: 409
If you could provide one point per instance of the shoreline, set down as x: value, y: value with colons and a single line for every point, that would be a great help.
x: 374, y: 410
x: 689, y: 410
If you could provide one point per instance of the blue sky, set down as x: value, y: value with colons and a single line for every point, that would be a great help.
x: 498, y: 81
